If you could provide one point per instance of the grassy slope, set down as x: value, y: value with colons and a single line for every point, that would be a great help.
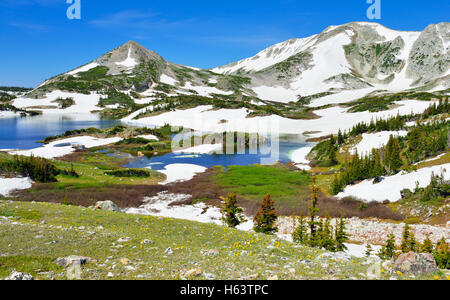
x: 254, y: 182
x: 31, y: 245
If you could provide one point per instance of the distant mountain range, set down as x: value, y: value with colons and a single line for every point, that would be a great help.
x: 353, y: 60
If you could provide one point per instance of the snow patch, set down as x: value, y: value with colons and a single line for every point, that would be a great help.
x: 167, y: 80
x: 159, y: 206
x: 181, y: 172
x: 203, y: 149
x: 390, y: 187
x: 64, y: 147
x: 375, y: 141
x: 84, y: 68
x: 8, y: 185
x: 129, y: 62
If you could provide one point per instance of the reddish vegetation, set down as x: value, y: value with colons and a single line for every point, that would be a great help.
x: 122, y: 195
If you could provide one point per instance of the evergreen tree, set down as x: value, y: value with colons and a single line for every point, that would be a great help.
x: 313, y: 211
x: 232, y: 215
x: 388, y: 250
x: 409, y: 242
x: 392, y: 155
x: 369, y: 250
x: 336, y: 185
x: 427, y: 246
x: 340, y: 138
x: 341, y: 236
x: 378, y: 169
x: 332, y: 151
x: 266, y: 217
x: 442, y: 254
x: 300, y: 234
x: 327, y: 240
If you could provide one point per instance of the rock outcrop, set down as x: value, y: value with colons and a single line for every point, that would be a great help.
x: 416, y: 264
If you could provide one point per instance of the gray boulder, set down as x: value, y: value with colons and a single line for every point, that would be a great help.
x: 107, y: 205
x: 74, y: 260
x: 19, y: 276
x: 416, y: 264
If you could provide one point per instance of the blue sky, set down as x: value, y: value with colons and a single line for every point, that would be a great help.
x: 38, y: 41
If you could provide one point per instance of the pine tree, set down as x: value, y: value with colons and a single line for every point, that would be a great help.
x: 442, y: 254
x: 341, y: 236
x: 369, y: 250
x: 313, y: 211
x: 378, y: 169
x: 300, y: 234
x: 392, y: 155
x: 327, y: 240
x: 409, y: 243
x: 232, y: 215
x: 388, y: 250
x: 266, y: 217
x: 340, y: 138
x: 332, y: 151
x: 336, y: 185
x: 427, y: 246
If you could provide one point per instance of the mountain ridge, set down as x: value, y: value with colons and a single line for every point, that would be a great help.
x: 359, y: 58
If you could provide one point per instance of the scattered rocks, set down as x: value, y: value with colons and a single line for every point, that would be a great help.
x: 19, y: 276
x: 374, y: 231
x: 147, y: 242
x: 107, y: 205
x: 339, y: 256
x: 212, y: 252
x: 74, y: 260
x: 416, y: 264
x: 209, y: 276
x: 124, y: 240
x: 191, y: 273
x: 251, y: 277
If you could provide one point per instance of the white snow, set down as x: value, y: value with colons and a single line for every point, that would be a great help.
x: 159, y: 206
x: 204, y: 118
x: 277, y: 93
x: 8, y: 185
x: 149, y: 137
x: 84, y: 68
x: 167, y: 80
x: 299, y: 156
x: 52, y: 150
x: 181, y: 172
x: 358, y: 250
x: 375, y: 141
x: 205, y: 91
x: 341, y: 97
x: 129, y: 62
x: 432, y: 159
x: 270, y: 56
x: 390, y: 187
x: 83, y: 103
x: 202, y: 149
x: 329, y: 60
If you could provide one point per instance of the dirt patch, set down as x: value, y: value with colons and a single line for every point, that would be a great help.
x: 123, y: 196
